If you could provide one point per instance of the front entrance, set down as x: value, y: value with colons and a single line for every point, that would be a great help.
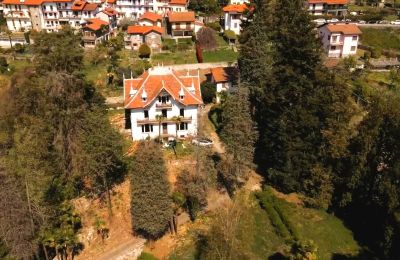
x: 165, y: 128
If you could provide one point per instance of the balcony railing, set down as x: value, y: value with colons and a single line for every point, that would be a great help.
x: 88, y: 37
x: 164, y: 120
x: 163, y: 105
x: 337, y: 43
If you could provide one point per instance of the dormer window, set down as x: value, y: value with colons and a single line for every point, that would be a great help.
x: 144, y: 95
x: 181, y: 94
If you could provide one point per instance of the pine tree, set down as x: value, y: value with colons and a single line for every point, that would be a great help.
x: 151, y: 201
x: 302, y: 111
x: 239, y: 135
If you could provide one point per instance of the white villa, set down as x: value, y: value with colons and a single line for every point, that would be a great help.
x: 233, y: 15
x: 163, y: 102
x: 327, y: 7
x: 339, y: 40
x: 223, y: 78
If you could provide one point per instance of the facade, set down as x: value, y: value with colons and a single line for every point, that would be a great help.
x: 109, y: 15
x: 136, y: 8
x: 163, y: 102
x: 233, y: 15
x: 137, y: 35
x: 223, y: 78
x: 327, y: 7
x: 181, y: 24
x: 95, y: 31
x: 339, y: 40
x: 150, y: 19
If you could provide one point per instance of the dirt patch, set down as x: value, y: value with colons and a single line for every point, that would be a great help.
x: 291, y: 197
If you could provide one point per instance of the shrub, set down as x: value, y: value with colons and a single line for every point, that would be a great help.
x: 215, y: 26
x: 376, y: 53
x: 230, y: 35
x: 146, y: 256
x: 208, y: 92
x: 206, y: 38
x: 215, y: 116
x: 3, y: 65
x: 19, y: 48
x: 144, y: 51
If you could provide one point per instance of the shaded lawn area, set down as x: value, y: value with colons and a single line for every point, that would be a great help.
x: 227, y: 55
x: 388, y: 38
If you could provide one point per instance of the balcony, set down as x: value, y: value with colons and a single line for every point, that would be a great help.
x: 337, y: 43
x: 164, y: 120
x: 88, y: 37
x: 163, y: 105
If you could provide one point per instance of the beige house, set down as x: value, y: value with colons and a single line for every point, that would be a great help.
x: 181, y: 25
x: 150, y: 19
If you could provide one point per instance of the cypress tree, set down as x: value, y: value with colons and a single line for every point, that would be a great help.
x: 151, y: 201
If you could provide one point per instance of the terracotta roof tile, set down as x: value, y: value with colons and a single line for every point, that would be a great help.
x: 169, y: 81
x: 110, y: 11
x: 181, y: 17
x: 95, y: 24
x: 90, y: 7
x: 178, y: 2
x: 235, y: 8
x: 224, y: 74
x: 137, y: 29
x: 343, y: 28
x: 151, y: 17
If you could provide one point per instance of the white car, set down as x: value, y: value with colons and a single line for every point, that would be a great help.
x: 203, y: 142
x: 397, y: 22
x: 333, y: 20
x: 362, y: 22
x: 319, y: 21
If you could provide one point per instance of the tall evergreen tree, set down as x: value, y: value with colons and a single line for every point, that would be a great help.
x: 302, y: 111
x: 151, y: 201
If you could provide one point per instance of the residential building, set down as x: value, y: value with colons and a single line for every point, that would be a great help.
x: 137, y: 35
x: 181, y: 24
x: 150, y: 19
x: 23, y: 15
x: 327, y: 7
x: 94, y: 31
x: 109, y: 15
x: 163, y: 102
x: 223, y: 78
x: 135, y: 8
x: 233, y: 15
x: 339, y: 39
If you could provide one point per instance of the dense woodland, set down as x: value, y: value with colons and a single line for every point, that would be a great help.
x: 320, y: 133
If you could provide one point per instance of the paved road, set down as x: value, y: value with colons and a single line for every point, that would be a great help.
x: 379, y: 26
x: 129, y: 250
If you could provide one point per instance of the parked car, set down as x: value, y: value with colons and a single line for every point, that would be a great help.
x: 384, y: 22
x: 362, y: 22
x: 320, y: 21
x: 201, y: 141
x: 333, y: 20
x: 397, y: 22
x: 353, y: 13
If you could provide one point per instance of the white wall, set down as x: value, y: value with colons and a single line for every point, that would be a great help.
x: 348, y: 42
x: 138, y: 114
x: 343, y: 43
x: 231, y: 23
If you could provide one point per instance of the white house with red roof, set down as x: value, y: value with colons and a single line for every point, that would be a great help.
x: 339, y: 39
x: 181, y: 24
x: 150, y: 19
x: 323, y: 7
x: 223, y: 78
x: 94, y: 31
x: 233, y: 15
x: 163, y: 102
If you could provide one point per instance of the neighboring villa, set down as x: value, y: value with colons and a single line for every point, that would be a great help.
x: 339, y: 40
x: 136, y: 8
x: 150, y: 19
x: 109, y: 15
x: 233, y: 15
x: 223, y: 78
x: 163, y: 102
x: 181, y: 25
x: 137, y: 35
x: 327, y: 7
x: 95, y: 31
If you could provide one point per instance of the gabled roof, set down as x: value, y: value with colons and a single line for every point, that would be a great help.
x: 143, y: 30
x: 151, y: 17
x: 90, y: 7
x: 329, y: 2
x: 181, y: 17
x: 33, y: 2
x: 235, y: 8
x: 158, y: 79
x: 224, y: 74
x: 110, y: 11
x: 78, y: 5
x: 178, y: 2
x: 342, y: 28
x: 95, y: 24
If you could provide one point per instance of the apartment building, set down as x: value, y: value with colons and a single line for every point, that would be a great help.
x: 327, y: 7
x: 181, y: 24
x: 339, y: 40
x: 163, y: 103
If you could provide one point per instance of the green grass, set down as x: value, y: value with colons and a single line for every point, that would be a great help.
x: 174, y: 58
x: 227, y: 55
x: 381, y: 38
x: 146, y: 256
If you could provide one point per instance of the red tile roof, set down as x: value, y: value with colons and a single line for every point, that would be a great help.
x: 90, y: 7
x: 78, y: 5
x: 152, y: 83
x: 224, y: 74
x: 95, y: 24
x: 343, y: 28
x: 235, y: 8
x: 181, y: 17
x: 151, y: 17
x: 137, y: 29
x: 26, y: 2
x: 111, y: 1
x: 329, y: 2
x: 110, y: 11
x: 178, y: 2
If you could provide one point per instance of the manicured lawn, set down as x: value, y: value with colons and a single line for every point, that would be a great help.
x: 381, y: 38
x: 174, y: 58
x: 227, y: 55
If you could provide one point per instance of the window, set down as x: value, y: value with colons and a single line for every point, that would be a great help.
x: 235, y: 25
x: 182, y: 112
x: 329, y: 38
x: 147, y: 128
x: 164, y: 112
x: 334, y: 38
x: 355, y: 38
x: 51, y: 7
x: 146, y: 114
x: 182, y: 126
x: 333, y: 48
x: 353, y: 48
